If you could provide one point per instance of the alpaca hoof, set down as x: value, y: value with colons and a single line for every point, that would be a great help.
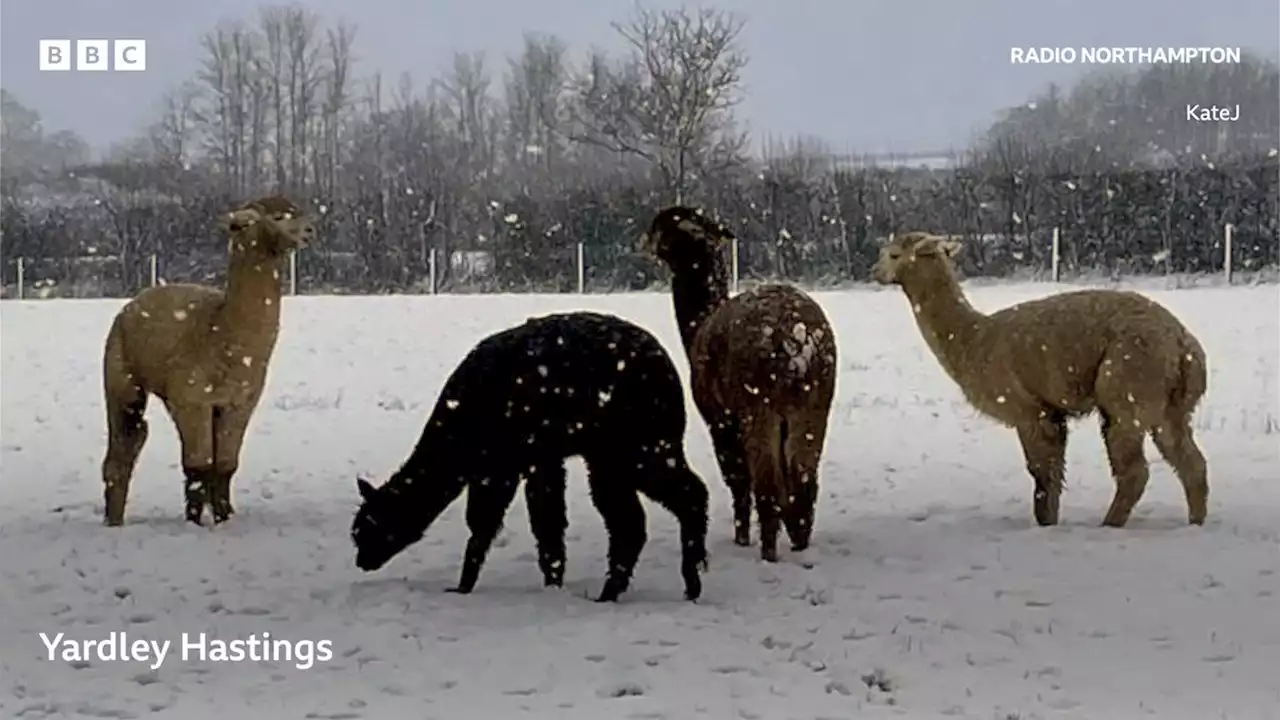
x: 742, y: 540
x: 692, y: 588
x: 769, y: 555
x: 613, y: 589
x: 458, y: 590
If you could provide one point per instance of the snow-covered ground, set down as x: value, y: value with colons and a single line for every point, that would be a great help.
x: 932, y: 595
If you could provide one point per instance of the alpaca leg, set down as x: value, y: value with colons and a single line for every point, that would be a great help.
x: 624, y: 519
x: 195, y: 431
x: 802, y: 452
x: 1124, y: 442
x: 677, y: 488
x: 763, y: 445
x: 126, y: 435
x: 544, y: 491
x: 487, y: 505
x: 1044, y: 447
x: 726, y: 437
x: 229, y: 426
x: 1177, y: 445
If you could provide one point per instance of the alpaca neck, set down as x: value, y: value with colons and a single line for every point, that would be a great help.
x: 429, y: 476
x: 250, y: 313
x: 430, y: 491
x: 949, y: 324
x: 697, y: 292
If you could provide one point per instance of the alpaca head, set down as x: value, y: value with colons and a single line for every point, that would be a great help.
x: 384, y: 525
x: 914, y: 255
x: 684, y: 238
x: 269, y: 226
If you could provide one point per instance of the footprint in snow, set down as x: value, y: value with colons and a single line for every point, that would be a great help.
x: 621, y: 690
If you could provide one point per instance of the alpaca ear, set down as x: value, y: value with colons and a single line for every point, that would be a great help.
x: 238, y: 220
x: 693, y: 228
x: 366, y: 490
x: 937, y: 245
x: 649, y: 242
x: 950, y: 248
x: 719, y: 234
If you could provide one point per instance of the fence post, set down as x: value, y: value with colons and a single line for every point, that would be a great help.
x: 1057, y: 256
x: 21, y: 279
x: 154, y: 270
x: 431, y: 271
x: 1227, y: 232
x: 582, y: 270
x: 293, y: 272
x: 734, y: 263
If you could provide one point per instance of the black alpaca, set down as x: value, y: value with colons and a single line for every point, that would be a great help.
x: 520, y: 403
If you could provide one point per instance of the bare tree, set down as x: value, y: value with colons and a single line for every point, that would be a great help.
x: 173, y: 134
x: 294, y: 72
x: 272, y: 22
x: 336, y: 92
x: 670, y: 100
x: 304, y: 82
x: 534, y: 92
x: 225, y: 115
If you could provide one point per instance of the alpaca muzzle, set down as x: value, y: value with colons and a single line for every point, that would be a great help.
x: 882, y: 275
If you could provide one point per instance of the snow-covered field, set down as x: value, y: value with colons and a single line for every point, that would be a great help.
x: 932, y: 595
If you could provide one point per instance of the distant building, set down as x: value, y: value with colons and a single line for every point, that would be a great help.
x: 934, y: 160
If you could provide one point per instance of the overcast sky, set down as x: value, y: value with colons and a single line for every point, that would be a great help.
x: 866, y: 75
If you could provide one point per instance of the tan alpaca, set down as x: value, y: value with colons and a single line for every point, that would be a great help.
x: 204, y: 352
x: 763, y: 372
x: 1036, y: 364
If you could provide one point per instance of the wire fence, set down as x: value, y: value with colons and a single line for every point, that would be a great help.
x: 98, y: 276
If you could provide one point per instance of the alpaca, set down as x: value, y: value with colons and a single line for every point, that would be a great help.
x: 204, y: 352
x: 1037, y: 364
x: 520, y: 403
x: 763, y: 372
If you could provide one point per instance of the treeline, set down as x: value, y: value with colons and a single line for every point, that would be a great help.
x: 818, y: 229
x: 501, y: 187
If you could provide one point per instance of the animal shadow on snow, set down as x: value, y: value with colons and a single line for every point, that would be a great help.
x: 424, y: 587
x: 938, y: 531
x: 252, y: 519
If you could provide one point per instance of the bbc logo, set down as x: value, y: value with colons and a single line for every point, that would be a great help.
x: 94, y: 55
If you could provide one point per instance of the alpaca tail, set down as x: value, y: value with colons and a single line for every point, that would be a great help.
x: 783, y: 462
x: 766, y: 456
x: 1193, y: 378
x: 118, y: 382
x: 113, y: 349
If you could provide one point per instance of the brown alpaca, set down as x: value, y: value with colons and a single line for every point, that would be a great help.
x: 1037, y: 364
x: 204, y: 353
x: 763, y: 371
